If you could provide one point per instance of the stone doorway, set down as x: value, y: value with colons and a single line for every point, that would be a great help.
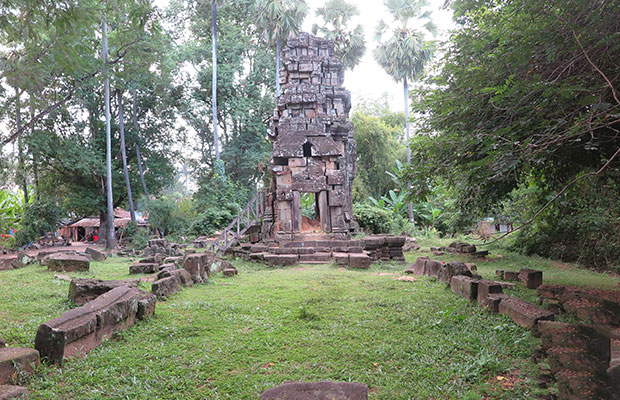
x: 310, y: 213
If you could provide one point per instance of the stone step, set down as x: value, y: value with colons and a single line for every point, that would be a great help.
x: 316, y: 257
x: 13, y: 392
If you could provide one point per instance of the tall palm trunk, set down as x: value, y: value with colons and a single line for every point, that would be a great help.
x: 110, y: 237
x: 20, y: 148
x: 134, y: 124
x: 406, y: 90
x: 121, y: 123
x: 278, y: 51
x: 214, y: 78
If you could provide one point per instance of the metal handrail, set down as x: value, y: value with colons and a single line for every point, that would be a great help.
x: 247, y: 218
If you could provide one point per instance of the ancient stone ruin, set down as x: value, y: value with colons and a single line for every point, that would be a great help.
x: 314, y: 150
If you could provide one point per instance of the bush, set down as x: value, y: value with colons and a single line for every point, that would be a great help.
x: 374, y: 219
x: 40, y: 217
x: 213, y: 218
x: 583, y: 225
x: 171, y: 215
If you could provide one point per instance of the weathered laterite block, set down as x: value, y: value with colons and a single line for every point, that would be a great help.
x: 486, y: 288
x: 523, y: 313
x: 9, y: 392
x: 60, y: 262
x: 82, y: 329
x: 143, y: 268
x: 317, y: 391
x: 451, y: 269
x: 433, y: 268
x: 198, y: 266
x: 465, y: 286
x: 16, y: 361
x: 359, y: 261
x: 530, y: 277
x: 83, y: 290
x: 164, y: 287
x: 419, y: 267
x: 182, y: 276
x: 281, y: 259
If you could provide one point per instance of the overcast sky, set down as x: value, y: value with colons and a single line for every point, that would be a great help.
x: 368, y: 80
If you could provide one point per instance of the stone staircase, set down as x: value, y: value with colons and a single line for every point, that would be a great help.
x: 248, y: 217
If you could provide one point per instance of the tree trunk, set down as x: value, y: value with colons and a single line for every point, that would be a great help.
x: 35, y: 155
x: 406, y: 90
x: 132, y: 210
x: 214, y: 78
x: 20, y: 149
x: 110, y: 237
x: 278, y: 51
x: 134, y: 124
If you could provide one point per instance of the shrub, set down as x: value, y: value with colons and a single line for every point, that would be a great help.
x: 213, y: 218
x: 374, y: 219
x: 40, y: 217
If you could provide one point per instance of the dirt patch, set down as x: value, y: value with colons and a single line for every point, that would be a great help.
x: 406, y: 278
x: 384, y: 273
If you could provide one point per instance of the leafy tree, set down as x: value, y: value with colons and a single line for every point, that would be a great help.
x: 277, y: 19
x: 405, y: 53
x: 377, y: 148
x: 350, y: 44
x: 528, y: 98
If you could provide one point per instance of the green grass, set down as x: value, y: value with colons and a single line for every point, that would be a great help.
x: 232, y: 338
x: 235, y: 337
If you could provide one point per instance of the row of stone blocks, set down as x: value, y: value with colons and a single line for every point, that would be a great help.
x: 531, y: 278
x: 353, y: 260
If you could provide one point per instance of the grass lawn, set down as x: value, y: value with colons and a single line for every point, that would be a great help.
x: 232, y: 338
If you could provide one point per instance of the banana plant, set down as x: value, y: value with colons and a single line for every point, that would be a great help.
x: 395, y: 201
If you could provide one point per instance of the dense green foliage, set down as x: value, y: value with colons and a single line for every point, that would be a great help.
x: 372, y: 218
x: 40, y: 217
x: 525, y: 102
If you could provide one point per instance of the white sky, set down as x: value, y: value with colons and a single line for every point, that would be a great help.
x: 368, y: 80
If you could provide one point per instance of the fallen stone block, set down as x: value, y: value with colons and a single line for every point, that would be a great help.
x: 578, y: 336
x: 231, y: 271
x: 359, y: 261
x: 181, y: 275
x: 164, y: 287
x: 63, y: 262
x: 143, y: 268
x: 81, y: 329
x: 9, y: 392
x: 451, y: 269
x: 523, y: 313
x: 173, y: 260
x: 146, y: 305
x: 530, y: 277
x: 95, y: 254
x: 465, y: 286
x: 317, y: 391
x: 419, y: 267
x: 485, y: 288
x: 196, y: 265
x: 83, y: 290
x: 582, y: 385
x: 17, y: 362
x: 511, y: 276
x: 433, y: 268
x: 493, y: 301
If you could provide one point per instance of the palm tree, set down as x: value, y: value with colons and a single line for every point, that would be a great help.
x: 277, y: 19
x: 405, y: 53
x: 350, y: 45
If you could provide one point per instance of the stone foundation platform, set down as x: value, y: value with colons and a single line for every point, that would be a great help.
x: 325, y: 249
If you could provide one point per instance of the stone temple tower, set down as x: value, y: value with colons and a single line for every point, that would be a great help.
x: 313, y: 147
